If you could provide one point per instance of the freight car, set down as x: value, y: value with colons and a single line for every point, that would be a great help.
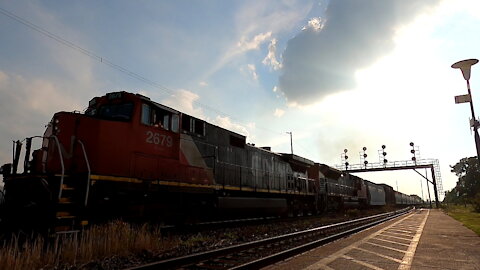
x: 128, y: 156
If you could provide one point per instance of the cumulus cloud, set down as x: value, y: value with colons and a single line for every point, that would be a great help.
x: 271, y: 59
x: 184, y: 100
x: 323, y: 58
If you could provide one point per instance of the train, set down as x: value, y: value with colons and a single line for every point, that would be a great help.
x: 127, y: 156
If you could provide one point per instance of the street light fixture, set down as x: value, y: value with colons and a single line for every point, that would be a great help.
x: 465, y: 66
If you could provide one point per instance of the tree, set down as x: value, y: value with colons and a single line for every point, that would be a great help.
x: 468, y: 185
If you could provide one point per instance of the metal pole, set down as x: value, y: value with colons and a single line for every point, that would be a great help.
x: 437, y: 203
x: 421, y: 185
x: 475, y: 124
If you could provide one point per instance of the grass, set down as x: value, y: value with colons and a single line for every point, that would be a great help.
x: 466, y: 215
x: 77, y: 251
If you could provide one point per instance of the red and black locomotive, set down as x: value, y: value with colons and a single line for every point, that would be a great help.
x: 128, y: 156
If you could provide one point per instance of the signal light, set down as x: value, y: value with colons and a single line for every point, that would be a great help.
x: 345, y: 150
x: 414, y: 158
x: 346, y: 157
x: 411, y: 144
x: 346, y: 164
x: 384, y: 153
x: 412, y: 151
x: 364, y: 148
x: 383, y: 146
x: 365, y: 155
x: 365, y: 162
x: 385, y: 161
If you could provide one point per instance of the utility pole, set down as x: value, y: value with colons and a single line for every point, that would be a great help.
x: 291, y: 142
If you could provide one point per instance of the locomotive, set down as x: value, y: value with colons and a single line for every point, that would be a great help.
x: 128, y: 156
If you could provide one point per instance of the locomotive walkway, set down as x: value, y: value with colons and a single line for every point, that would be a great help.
x: 425, y: 240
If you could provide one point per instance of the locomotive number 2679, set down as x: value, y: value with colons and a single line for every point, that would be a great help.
x: 159, y: 139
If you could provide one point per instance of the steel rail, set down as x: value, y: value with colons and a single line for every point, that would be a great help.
x: 203, y: 256
x: 262, y: 262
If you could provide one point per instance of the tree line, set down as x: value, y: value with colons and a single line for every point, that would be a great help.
x: 467, y: 189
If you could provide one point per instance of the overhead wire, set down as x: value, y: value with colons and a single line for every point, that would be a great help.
x: 111, y: 64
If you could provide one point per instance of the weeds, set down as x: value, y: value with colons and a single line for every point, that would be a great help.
x: 99, y: 242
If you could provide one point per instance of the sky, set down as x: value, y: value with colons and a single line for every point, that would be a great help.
x: 338, y: 74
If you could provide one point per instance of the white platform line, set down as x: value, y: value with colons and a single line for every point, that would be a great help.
x: 393, y: 242
x: 402, y: 234
x: 408, y: 258
x: 402, y: 231
x: 322, y: 263
x: 410, y: 228
x: 362, y: 263
x: 396, y: 237
x: 379, y: 255
x: 386, y: 247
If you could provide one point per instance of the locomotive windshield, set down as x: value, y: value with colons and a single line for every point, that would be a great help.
x: 120, y: 112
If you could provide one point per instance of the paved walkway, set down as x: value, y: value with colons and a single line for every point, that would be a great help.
x: 426, y: 239
x: 447, y: 244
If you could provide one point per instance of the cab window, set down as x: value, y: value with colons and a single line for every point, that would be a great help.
x: 158, y: 117
x: 193, y: 125
x: 119, y: 112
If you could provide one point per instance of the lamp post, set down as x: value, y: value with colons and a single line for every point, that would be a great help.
x: 465, y: 66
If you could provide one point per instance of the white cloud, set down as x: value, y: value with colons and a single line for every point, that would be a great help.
x: 323, y: 59
x: 271, y: 59
x: 315, y: 24
x: 254, y: 43
x: 253, y: 71
x: 279, y: 113
x: 203, y: 83
x: 227, y: 123
x: 27, y: 105
x: 260, y: 19
x: 184, y: 100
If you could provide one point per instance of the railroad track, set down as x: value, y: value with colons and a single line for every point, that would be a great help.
x: 260, y: 253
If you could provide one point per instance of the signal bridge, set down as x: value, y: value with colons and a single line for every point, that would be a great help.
x: 433, y: 164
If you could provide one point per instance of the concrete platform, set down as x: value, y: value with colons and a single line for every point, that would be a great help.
x: 425, y: 239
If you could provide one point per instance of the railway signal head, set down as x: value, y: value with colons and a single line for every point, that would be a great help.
x: 364, y: 148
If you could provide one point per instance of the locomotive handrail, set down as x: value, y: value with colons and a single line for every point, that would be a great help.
x: 61, y: 163
x: 89, y: 171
